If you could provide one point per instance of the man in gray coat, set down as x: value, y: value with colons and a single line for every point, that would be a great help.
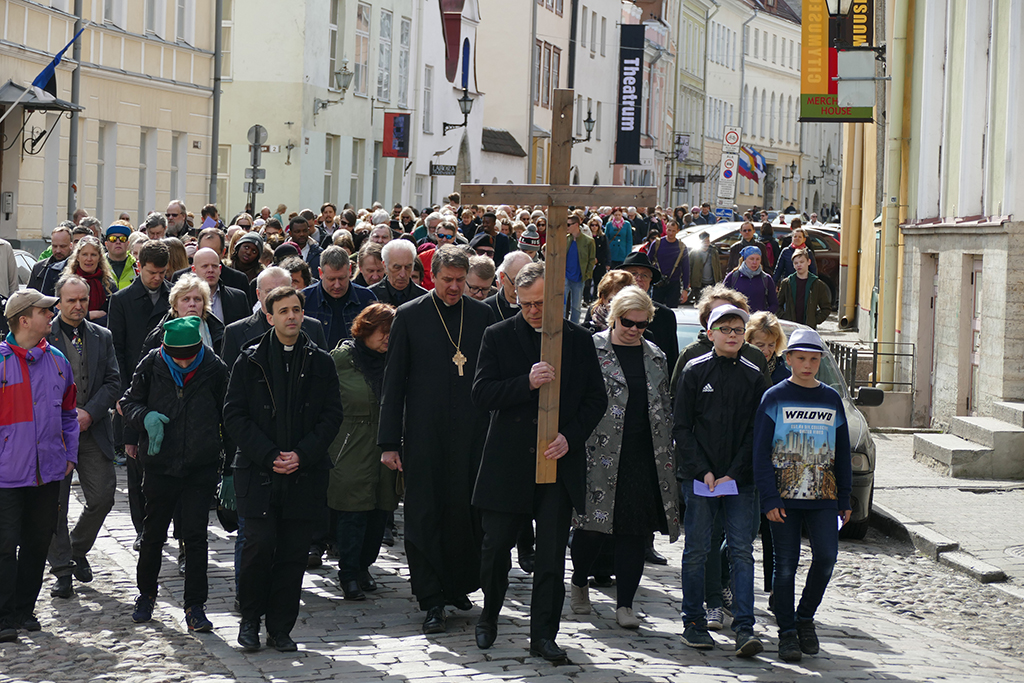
x: 89, y: 349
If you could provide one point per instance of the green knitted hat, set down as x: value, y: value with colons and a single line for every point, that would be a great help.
x: 182, y: 337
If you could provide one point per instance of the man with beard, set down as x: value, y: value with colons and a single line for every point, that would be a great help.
x: 177, y: 217
x: 432, y: 431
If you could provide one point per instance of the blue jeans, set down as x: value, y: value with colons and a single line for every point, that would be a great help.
x: 573, y: 298
x: 823, y: 533
x: 740, y: 516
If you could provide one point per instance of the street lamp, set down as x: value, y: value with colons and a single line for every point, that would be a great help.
x: 793, y: 175
x: 465, y: 106
x: 588, y: 123
x: 837, y: 11
x: 342, y: 81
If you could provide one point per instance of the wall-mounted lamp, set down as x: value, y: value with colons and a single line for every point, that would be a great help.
x: 465, y: 106
x: 588, y: 123
x: 342, y: 81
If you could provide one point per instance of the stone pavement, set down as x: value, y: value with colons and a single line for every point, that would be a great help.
x: 890, y: 615
x: 972, y: 525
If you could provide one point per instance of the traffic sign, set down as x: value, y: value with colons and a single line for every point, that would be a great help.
x: 260, y: 173
x: 731, y: 140
x: 724, y: 213
x: 257, y: 135
x: 253, y: 188
x: 727, y: 177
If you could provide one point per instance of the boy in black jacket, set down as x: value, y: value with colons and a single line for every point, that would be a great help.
x: 716, y: 399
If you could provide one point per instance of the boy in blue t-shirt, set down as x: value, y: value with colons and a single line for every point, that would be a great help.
x: 803, y: 473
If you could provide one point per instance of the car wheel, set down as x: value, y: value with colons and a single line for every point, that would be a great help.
x: 856, y: 531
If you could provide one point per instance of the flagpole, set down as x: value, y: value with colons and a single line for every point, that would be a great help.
x: 15, y: 104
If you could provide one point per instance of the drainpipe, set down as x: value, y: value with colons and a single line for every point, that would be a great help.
x: 897, y: 58
x: 743, y: 65
x: 851, y: 229
x: 76, y: 93
x: 215, y: 132
x: 708, y: 14
x: 529, y: 96
x: 571, y: 84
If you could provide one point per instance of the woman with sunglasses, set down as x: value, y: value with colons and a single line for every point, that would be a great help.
x: 631, y: 487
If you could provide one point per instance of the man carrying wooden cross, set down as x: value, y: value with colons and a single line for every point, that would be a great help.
x: 509, y: 376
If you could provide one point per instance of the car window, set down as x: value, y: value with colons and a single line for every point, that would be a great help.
x: 686, y: 334
x: 817, y: 243
x: 828, y: 373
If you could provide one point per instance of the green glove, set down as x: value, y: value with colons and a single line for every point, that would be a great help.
x: 154, y: 423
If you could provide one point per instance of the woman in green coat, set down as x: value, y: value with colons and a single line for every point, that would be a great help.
x: 362, y: 490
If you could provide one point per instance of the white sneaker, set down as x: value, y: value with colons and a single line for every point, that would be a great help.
x: 715, y: 617
x: 627, y: 618
x: 579, y: 599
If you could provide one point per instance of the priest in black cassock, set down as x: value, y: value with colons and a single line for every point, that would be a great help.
x: 432, y: 432
x: 503, y: 302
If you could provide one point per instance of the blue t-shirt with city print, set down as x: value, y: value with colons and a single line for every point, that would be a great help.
x: 802, y: 448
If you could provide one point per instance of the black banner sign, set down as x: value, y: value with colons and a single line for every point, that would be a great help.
x: 630, y: 103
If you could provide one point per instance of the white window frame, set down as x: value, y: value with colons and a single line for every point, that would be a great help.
x: 333, y: 44
x: 227, y: 32
x: 147, y: 170
x: 428, y: 99
x: 583, y: 28
x: 356, y: 180
x: 185, y: 21
x: 115, y: 12
x: 223, y: 174
x: 331, y: 148
x: 404, y: 52
x: 604, y: 35
x: 385, y: 35
x: 362, y: 57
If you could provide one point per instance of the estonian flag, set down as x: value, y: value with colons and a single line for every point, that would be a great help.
x: 45, y: 84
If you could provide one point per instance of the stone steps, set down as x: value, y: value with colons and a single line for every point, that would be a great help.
x: 1009, y: 411
x: 977, y: 447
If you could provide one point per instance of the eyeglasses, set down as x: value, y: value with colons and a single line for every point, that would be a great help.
x: 245, y: 226
x: 541, y: 223
x: 478, y: 290
x: 641, y: 325
x: 531, y: 304
x: 344, y: 224
x: 172, y: 215
x: 483, y: 251
x: 117, y: 238
x: 442, y: 236
x: 730, y: 330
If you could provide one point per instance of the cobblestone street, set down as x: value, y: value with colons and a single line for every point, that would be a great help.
x: 890, y: 614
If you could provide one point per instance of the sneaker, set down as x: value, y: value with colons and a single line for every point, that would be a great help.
x: 807, y: 636
x: 579, y: 599
x: 715, y: 619
x: 747, y: 644
x: 697, y: 636
x: 727, y: 599
x: 143, y: 608
x: 196, y: 620
x: 789, y: 647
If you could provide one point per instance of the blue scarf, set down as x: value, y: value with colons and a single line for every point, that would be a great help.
x: 178, y: 373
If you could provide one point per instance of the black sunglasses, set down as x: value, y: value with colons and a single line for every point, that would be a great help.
x: 642, y: 325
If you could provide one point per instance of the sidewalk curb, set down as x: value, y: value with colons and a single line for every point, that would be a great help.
x: 939, y: 548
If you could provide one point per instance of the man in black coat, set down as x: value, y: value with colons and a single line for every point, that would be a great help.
x: 503, y: 302
x: 213, y: 238
x: 430, y: 429
x: 134, y: 312
x: 747, y: 239
x: 283, y: 410
x: 244, y: 332
x: 508, y: 378
x: 45, y: 273
x: 663, y: 328
x: 228, y: 304
x: 89, y: 349
x: 397, y: 286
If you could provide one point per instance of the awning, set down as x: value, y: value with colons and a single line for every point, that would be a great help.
x: 11, y: 91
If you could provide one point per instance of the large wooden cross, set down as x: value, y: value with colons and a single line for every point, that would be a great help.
x: 558, y: 197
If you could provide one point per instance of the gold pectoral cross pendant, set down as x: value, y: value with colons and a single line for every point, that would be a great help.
x: 459, y: 361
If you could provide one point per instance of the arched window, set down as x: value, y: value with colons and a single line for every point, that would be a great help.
x: 764, y: 106
x: 753, y: 114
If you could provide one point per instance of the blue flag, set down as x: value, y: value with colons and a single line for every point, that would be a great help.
x: 45, y: 84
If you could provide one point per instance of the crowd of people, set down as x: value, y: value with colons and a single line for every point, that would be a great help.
x: 307, y: 373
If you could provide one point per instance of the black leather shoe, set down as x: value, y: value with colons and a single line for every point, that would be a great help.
x: 526, y: 563
x: 62, y: 587
x: 249, y: 635
x: 8, y: 634
x: 652, y: 556
x: 486, y: 632
x: 389, y: 537
x: 462, y: 602
x: 602, y: 582
x: 315, y: 559
x: 436, y: 621
x: 29, y: 622
x: 367, y: 582
x: 82, y: 571
x: 137, y: 545
x: 282, y: 642
x: 546, y: 648
x: 352, y: 590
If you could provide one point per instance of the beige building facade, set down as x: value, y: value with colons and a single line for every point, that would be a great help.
x: 145, y: 125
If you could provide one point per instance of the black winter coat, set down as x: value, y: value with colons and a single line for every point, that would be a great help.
x: 192, y: 436
x: 250, y: 418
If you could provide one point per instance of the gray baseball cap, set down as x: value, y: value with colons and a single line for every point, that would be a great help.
x: 27, y: 298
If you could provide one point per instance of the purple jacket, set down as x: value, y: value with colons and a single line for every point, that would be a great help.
x: 760, y: 290
x: 38, y: 419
